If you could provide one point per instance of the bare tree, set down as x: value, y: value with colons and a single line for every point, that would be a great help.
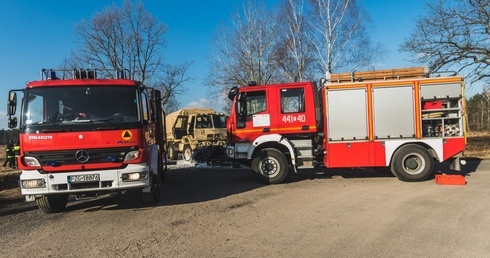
x: 126, y: 37
x: 325, y: 35
x: 294, y: 53
x: 340, y: 36
x: 172, y: 84
x: 243, y: 52
x: 454, y: 35
x: 129, y: 38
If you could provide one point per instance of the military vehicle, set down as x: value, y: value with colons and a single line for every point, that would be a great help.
x: 191, y: 130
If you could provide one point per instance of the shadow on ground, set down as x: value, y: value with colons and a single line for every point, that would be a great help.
x: 200, y: 184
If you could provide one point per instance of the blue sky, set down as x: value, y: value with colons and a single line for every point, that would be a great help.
x: 40, y: 34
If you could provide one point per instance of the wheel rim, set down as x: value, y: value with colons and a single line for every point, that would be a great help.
x: 187, y: 154
x: 413, y: 163
x: 269, y: 167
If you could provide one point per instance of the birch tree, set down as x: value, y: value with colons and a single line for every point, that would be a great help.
x: 340, y: 36
x: 294, y: 53
x: 243, y: 52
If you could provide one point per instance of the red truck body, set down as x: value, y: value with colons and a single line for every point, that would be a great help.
x: 404, y: 124
x: 85, y: 136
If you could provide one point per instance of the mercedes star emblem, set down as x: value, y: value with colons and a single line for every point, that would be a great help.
x: 82, y: 156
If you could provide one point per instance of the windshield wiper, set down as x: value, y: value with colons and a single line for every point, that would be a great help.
x: 80, y: 121
x: 112, y: 126
x: 56, y: 130
x: 56, y: 123
x: 105, y: 120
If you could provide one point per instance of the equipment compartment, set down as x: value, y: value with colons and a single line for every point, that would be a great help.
x: 441, y: 115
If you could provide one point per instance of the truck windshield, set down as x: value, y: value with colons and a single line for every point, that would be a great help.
x: 79, y: 105
x: 219, y: 121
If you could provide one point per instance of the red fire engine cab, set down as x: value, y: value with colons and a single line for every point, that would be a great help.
x: 81, y: 135
x: 401, y: 119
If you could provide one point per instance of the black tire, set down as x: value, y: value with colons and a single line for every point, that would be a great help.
x: 187, y: 154
x: 162, y: 167
x: 154, y: 195
x: 412, y: 163
x: 172, y: 153
x: 52, y: 203
x: 270, y: 166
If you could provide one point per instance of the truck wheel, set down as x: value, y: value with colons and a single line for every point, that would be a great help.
x: 270, y: 166
x: 163, y: 167
x: 154, y: 195
x: 52, y: 203
x: 187, y: 154
x: 172, y: 154
x: 412, y: 163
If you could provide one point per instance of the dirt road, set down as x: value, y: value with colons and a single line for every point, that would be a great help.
x: 226, y: 213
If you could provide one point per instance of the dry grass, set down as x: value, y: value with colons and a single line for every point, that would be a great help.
x: 478, y: 145
x: 9, y: 178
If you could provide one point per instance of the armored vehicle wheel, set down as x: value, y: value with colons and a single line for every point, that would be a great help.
x: 187, y: 154
x: 163, y: 166
x: 270, y: 166
x: 412, y: 163
x: 172, y: 154
x: 52, y: 203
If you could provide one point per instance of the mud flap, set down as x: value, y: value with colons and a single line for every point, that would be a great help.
x: 456, y: 164
x: 147, y: 189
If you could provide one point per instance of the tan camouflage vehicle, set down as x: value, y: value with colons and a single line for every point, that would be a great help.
x: 191, y: 129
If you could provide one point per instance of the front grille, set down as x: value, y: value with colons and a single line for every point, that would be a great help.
x: 68, y: 157
x: 87, y: 185
x: 216, y: 136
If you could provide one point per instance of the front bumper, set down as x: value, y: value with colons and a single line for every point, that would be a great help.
x: 110, y: 180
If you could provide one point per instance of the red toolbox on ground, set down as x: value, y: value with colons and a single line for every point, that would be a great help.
x: 443, y: 179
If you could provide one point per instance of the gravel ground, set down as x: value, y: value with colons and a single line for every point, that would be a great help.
x: 224, y: 212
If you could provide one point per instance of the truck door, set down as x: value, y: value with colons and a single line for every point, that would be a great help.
x: 252, y: 111
x: 295, y: 114
x: 180, y: 127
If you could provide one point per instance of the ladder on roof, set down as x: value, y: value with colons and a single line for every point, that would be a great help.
x: 377, y: 75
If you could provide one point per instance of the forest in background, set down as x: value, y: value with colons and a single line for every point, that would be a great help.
x: 7, y: 135
x: 478, y: 112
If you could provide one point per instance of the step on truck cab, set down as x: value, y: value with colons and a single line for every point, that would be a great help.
x: 82, y: 136
x: 400, y: 119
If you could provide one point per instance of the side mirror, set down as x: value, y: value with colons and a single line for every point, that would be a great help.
x: 12, y: 103
x: 233, y: 91
x: 12, y: 122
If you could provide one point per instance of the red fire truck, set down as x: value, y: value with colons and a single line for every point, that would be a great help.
x: 401, y: 119
x: 81, y: 135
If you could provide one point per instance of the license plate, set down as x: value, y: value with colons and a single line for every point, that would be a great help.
x: 83, y: 178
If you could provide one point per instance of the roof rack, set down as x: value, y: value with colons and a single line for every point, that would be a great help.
x: 376, y: 75
x: 54, y: 74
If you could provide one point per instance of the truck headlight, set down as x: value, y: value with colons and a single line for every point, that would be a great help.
x: 132, y: 155
x: 31, y: 161
x: 230, y: 151
x: 137, y: 176
x: 33, y: 183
